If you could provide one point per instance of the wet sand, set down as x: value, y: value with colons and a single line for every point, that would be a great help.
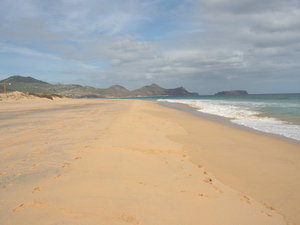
x: 136, y: 162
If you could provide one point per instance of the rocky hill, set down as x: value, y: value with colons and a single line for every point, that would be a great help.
x: 32, y: 85
x: 155, y: 90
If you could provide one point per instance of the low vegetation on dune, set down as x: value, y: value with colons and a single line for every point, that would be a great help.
x: 45, y: 95
x: 17, y: 95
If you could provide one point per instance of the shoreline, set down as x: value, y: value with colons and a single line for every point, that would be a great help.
x: 91, y: 161
x: 233, y: 166
x: 225, y: 121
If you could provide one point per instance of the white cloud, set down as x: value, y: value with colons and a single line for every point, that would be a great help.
x: 25, y: 51
x: 212, y: 39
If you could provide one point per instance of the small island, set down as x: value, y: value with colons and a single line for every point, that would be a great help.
x: 233, y: 92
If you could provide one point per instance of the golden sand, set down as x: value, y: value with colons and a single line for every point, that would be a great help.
x: 135, y: 162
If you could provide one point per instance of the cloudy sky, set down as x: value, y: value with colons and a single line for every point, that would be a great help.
x: 203, y: 45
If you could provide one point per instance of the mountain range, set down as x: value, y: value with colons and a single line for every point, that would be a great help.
x: 32, y: 85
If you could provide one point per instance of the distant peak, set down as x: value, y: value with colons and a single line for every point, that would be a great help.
x: 180, y: 88
x: 18, y: 78
x: 118, y: 87
x: 154, y: 85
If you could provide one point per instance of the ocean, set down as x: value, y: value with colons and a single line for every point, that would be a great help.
x: 271, y: 113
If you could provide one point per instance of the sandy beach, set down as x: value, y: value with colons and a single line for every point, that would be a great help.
x: 77, y: 161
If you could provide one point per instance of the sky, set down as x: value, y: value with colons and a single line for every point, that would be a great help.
x: 204, y: 45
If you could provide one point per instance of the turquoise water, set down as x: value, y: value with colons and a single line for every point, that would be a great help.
x: 271, y: 113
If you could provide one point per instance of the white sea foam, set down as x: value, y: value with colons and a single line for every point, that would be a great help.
x: 241, y: 113
x: 271, y: 125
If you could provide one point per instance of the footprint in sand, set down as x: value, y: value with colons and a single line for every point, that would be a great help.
x: 268, y: 206
x: 203, y: 195
x: 207, y: 180
x: 265, y: 213
x: 210, y: 181
x: 34, y: 165
x: 59, y: 176
x: 129, y: 219
x: 42, y: 205
x: 39, y: 188
x: 207, y: 196
x: 87, y: 146
x: 17, y: 174
x: 65, y: 166
x: 29, y: 204
x: 77, y: 158
x: 217, y: 189
x: 246, y: 199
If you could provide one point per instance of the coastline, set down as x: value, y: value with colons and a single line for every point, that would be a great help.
x: 254, y: 162
x: 133, y: 162
x: 225, y: 121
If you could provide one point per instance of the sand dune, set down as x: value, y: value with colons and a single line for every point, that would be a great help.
x: 16, y: 95
x: 121, y: 162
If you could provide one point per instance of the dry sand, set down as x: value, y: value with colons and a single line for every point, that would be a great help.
x: 135, y: 162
